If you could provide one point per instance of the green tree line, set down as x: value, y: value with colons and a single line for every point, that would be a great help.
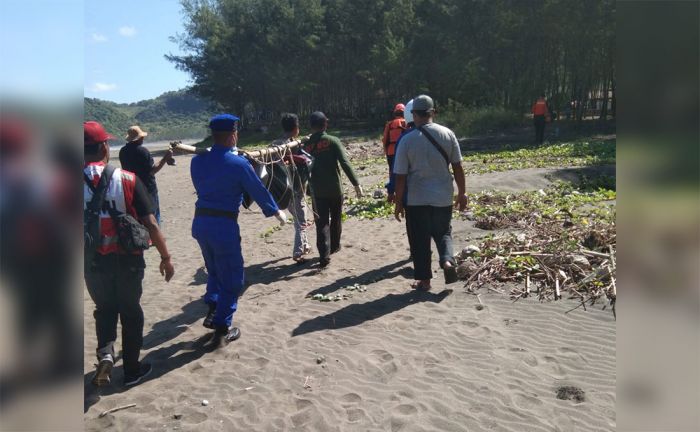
x: 172, y: 115
x: 356, y: 59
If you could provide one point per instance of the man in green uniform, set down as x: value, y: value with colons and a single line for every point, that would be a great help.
x: 326, y: 188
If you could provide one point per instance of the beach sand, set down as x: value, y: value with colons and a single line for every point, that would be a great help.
x: 387, y: 359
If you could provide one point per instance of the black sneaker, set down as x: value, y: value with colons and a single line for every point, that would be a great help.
x: 209, y: 319
x: 103, y: 372
x: 224, y: 335
x: 130, y: 380
x: 323, y: 263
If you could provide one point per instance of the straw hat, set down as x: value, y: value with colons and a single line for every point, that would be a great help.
x: 134, y: 133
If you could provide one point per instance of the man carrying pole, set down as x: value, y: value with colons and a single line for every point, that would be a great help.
x: 220, y: 178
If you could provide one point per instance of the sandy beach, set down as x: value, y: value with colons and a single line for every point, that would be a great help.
x: 386, y: 359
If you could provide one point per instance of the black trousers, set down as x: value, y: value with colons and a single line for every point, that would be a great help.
x: 424, y: 223
x: 115, y: 285
x: 539, y: 128
x: 390, y: 162
x: 329, y: 225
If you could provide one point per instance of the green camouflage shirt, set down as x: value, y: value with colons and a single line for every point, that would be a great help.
x: 328, y: 153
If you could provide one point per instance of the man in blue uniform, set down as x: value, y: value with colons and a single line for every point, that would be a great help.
x: 220, y: 177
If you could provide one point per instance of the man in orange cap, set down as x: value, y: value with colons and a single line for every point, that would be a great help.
x: 392, y: 132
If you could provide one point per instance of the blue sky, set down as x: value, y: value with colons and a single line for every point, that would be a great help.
x: 125, y: 43
x: 40, y: 49
x: 109, y: 49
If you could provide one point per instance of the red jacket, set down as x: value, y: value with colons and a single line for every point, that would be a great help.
x: 392, y: 132
x: 540, y: 108
x: 120, y: 195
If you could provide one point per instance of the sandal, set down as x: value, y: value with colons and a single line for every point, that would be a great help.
x: 450, y: 274
x: 420, y: 286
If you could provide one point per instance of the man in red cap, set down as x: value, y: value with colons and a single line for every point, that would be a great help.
x: 114, y: 276
x: 392, y: 132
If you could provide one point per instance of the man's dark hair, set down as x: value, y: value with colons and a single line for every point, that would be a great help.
x: 220, y: 135
x: 92, y: 151
x: 542, y: 96
x: 289, y: 122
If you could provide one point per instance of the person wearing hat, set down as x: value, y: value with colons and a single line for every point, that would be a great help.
x: 220, y: 178
x: 326, y: 187
x: 422, y: 166
x: 392, y: 132
x: 114, y: 277
x: 391, y: 185
x: 136, y: 158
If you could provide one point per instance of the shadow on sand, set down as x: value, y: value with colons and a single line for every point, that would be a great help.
x: 356, y: 314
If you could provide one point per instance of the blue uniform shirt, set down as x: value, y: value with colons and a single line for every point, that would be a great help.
x: 220, y: 178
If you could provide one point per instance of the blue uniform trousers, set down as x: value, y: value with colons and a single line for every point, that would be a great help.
x: 220, y: 241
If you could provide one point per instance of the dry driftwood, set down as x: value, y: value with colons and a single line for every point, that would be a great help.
x: 119, y: 408
x: 257, y: 154
x: 555, y: 265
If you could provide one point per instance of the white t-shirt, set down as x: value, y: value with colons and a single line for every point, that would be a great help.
x: 429, y: 179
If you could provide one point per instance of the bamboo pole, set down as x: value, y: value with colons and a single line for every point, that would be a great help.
x: 188, y: 149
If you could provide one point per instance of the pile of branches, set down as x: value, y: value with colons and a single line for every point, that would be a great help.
x: 547, y: 260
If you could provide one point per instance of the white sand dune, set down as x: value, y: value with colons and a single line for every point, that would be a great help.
x: 387, y: 359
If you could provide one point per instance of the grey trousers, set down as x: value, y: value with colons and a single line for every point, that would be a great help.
x: 298, y: 211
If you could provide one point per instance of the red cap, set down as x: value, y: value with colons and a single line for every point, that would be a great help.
x: 95, y: 133
x: 399, y: 107
x: 14, y: 135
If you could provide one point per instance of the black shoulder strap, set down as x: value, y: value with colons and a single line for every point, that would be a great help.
x: 435, y: 144
x: 99, y: 192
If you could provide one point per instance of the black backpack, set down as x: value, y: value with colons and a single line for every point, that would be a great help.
x: 91, y: 214
x: 132, y: 235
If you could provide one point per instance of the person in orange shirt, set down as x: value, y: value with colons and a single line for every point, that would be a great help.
x: 540, y: 113
x: 392, y: 132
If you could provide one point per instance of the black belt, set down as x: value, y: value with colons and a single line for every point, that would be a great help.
x: 216, y: 213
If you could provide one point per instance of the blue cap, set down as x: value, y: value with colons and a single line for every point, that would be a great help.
x: 223, y: 122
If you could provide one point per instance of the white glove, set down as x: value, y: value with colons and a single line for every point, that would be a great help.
x: 358, y: 191
x: 281, y: 216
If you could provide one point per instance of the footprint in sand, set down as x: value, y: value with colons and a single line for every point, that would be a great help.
x: 193, y: 418
x: 397, y: 424
x: 406, y: 409
x: 303, y: 403
x: 355, y: 414
x: 530, y: 360
x: 470, y: 324
x: 554, y: 363
x: 526, y: 401
x: 300, y: 419
x: 383, y: 355
x: 351, y: 398
x: 261, y: 362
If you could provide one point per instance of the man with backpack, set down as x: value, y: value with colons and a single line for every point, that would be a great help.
x: 114, y: 199
x: 422, y: 165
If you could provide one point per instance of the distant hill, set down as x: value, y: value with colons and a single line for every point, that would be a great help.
x: 172, y: 115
